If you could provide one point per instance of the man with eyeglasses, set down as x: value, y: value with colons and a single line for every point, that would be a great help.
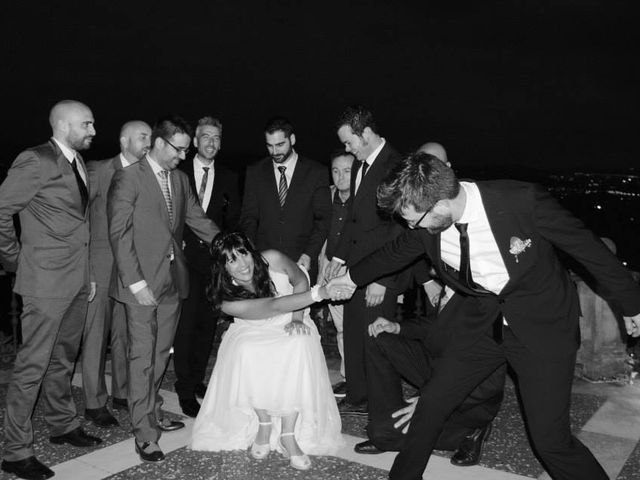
x: 495, y: 243
x: 148, y: 205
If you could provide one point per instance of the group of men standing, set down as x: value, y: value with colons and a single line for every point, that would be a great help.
x: 117, y: 252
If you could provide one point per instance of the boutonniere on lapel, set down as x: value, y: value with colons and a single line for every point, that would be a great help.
x: 517, y: 246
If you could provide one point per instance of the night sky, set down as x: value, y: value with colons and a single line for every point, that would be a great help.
x: 534, y: 84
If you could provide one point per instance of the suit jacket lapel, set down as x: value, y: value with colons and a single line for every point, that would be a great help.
x: 501, y: 228
x: 69, y: 177
x: 177, y: 198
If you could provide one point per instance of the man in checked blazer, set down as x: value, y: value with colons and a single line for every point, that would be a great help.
x: 47, y: 186
x: 148, y: 205
x: 516, y: 303
x: 286, y: 199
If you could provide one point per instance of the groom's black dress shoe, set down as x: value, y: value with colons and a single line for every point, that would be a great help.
x: 190, y: 406
x: 119, y: 403
x: 77, y: 438
x: 367, y: 448
x: 28, y: 468
x: 470, y: 449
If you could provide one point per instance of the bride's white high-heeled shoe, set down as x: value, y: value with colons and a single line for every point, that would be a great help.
x: 259, y: 451
x: 299, y: 462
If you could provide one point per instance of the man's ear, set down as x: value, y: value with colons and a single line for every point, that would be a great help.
x: 195, y: 142
x: 292, y: 139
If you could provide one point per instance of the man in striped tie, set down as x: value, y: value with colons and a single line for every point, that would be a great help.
x: 286, y: 204
x: 148, y: 205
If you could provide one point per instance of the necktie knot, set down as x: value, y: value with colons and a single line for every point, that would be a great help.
x: 364, y: 166
x: 462, y: 228
x: 206, y: 169
x: 164, y: 174
x: 282, y: 186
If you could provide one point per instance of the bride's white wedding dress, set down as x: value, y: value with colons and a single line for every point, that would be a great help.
x: 260, y: 366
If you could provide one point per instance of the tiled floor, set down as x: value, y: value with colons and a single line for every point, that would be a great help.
x: 605, y: 416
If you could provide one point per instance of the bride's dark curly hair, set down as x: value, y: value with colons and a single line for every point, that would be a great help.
x: 225, y: 247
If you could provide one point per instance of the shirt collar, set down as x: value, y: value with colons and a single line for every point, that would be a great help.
x: 154, y: 165
x: 372, y: 158
x: 198, y: 164
x: 472, y: 204
x: 124, y: 161
x: 68, y: 153
x: 290, y: 163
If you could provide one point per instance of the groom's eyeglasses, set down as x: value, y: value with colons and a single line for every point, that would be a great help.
x: 180, y: 150
x: 414, y: 223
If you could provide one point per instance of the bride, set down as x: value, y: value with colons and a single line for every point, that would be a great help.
x: 270, y: 387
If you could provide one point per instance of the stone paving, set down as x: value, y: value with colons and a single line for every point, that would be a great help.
x: 605, y: 416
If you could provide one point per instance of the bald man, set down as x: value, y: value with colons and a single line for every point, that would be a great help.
x: 437, y: 150
x: 105, y: 317
x: 47, y: 187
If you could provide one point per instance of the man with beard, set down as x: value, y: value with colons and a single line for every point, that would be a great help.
x: 47, y: 187
x: 286, y: 202
x: 216, y: 188
x: 514, y: 301
x: 106, y: 316
x: 148, y: 205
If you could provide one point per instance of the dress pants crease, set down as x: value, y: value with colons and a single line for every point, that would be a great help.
x: 150, y: 330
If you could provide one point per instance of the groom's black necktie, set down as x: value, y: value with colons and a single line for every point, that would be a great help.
x: 466, y: 279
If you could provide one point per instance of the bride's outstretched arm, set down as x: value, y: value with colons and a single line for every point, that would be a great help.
x: 260, y: 308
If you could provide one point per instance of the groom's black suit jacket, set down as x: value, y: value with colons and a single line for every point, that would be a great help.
x: 539, y: 302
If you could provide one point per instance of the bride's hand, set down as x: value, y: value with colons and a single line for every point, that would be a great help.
x: 296, y: 327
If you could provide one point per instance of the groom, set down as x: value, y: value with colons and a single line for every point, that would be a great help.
x: 502, y: 238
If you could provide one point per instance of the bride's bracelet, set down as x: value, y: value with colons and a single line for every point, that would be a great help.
x: 315, y: 293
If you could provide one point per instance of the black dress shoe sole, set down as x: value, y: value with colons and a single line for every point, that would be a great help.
x: 153, y: 457
x: 368, y: 450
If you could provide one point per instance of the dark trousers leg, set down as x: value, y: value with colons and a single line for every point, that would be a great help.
x: 545, y: 387
x: 389, y: 359
x: 194, y: 337
x: 118, y: 350
x: 393, y: 357
x: 51, y: 332
x: 94, y: 347
x: 357, y: 317
x: 455, y: 375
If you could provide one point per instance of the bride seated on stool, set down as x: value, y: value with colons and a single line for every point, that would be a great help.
x: 270, y: 387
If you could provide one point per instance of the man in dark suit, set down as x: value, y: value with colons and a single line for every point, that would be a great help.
x: 216, y: 188
x: 365, y: 230
x: 47, y: 187
x: 286, y: 199
x: 148, y: 205
x: 514, y: 301
x: 106, y: 321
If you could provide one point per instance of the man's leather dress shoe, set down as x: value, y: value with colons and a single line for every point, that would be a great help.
x: 367, y: 448
x: 28, y: 468
x: 149, y: 452
x: 190, y: 406
x: 470, y: 449
x: 101, y: 417
x: 170, y: 425
x: 77, y: 438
